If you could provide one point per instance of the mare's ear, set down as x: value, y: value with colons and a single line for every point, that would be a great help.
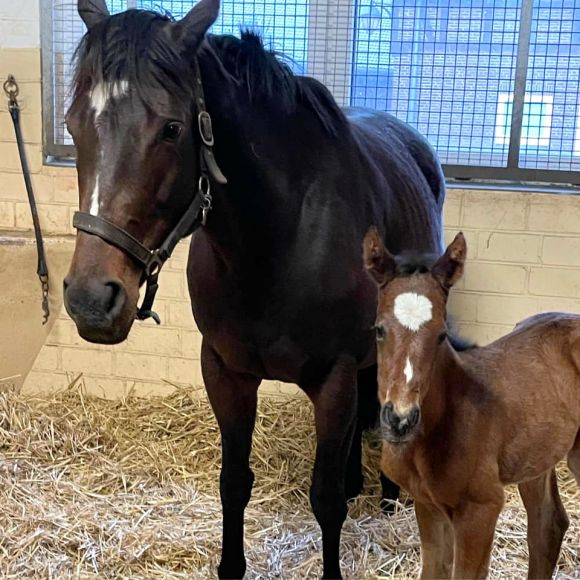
x: 449, y: 267
x: 191, y: 29
x: 379, y: 263
x: 92, y: 11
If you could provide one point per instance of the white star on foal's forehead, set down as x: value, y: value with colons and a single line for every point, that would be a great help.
x: 413, y: 310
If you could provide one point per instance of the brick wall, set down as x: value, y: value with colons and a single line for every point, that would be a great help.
x: 523, y: 258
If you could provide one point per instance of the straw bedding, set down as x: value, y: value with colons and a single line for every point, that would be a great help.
x: 116, y: 489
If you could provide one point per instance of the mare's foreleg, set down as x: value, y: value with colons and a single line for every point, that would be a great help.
x: 233, y: 398
x: 335, y: 415
x: 367, y: 416
x: 547, y: 523
x: 436, y: 542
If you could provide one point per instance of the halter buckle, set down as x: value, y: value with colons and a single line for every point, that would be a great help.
x: 205, y: 128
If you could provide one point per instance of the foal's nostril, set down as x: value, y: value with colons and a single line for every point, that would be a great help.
x: 387, y: 414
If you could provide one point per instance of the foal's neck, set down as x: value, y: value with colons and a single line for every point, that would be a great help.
x: 448, y: 372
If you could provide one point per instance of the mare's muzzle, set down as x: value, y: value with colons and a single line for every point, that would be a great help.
x: 150, y: 260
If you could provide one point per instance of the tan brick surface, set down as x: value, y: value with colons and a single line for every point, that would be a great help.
x: 23, y: 63
x: 561, y: 250
x: 87, y: 360
x: 492, y: 211
x: 485, y: 277
x: 509, y: 247
x: 505, y: 309
x: 555, y: 282
x: 550, y: 214
x: 7, y: 217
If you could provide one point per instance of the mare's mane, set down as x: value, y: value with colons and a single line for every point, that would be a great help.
x: 135, y: 47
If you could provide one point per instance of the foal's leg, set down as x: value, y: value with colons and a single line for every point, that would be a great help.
x: 233, y: 398
x: 473, y: 528
x: 335, y: 414
x: 436, y: 542
x: 547, y: 523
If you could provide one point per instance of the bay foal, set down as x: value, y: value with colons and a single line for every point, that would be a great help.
x: 459, y: 426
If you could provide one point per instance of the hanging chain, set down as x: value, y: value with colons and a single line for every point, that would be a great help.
x: 12, y: 91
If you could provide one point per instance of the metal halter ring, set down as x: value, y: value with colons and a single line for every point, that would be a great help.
x: 11, y: 88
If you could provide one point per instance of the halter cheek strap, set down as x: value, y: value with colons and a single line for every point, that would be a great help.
x: 194, y: 216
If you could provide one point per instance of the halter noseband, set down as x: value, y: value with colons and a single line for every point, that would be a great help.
x: 195, y: 215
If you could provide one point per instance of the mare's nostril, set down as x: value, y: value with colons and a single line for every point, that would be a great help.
x: 113, y: 297
x: 65, y: 284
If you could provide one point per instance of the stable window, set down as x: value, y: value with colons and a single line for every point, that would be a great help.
x: 493, y: 84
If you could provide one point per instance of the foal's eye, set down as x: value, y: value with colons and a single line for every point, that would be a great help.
x: 380, y: 332
x: 171, y: 131
x: 442, y: 337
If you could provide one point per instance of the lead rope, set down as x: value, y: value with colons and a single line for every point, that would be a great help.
x: 11, y: 89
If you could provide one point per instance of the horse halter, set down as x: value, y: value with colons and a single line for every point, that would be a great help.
x: 195, y: 215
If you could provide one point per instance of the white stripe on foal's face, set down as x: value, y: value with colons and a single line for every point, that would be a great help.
x: 413, y: 310
x: 100, y: 97
x: 408, y: 371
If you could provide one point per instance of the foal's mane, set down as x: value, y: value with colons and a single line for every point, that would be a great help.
x: 135, y: 46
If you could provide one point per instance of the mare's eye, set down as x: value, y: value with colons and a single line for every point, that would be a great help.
x: 380, y: 332
x: 171, y: 131
x: 442, y: 337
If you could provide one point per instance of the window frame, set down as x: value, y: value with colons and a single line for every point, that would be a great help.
x: 336, y: 71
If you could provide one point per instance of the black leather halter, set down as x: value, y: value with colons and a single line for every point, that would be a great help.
x: 195, y: 215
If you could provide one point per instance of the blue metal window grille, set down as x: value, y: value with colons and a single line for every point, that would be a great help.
x: 493, y: 84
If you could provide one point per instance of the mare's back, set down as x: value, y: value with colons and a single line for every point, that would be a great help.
x: 405, y: 177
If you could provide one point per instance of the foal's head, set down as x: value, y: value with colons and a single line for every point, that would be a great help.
x: 410, y: 329
x: 134, y: 125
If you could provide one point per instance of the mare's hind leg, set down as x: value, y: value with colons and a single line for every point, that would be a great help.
x: 233, y: 398
x: 335, y: 415
x: 547, y: 523
x: 367, y: 414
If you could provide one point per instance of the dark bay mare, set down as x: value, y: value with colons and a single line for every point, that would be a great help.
x: 279, y: 206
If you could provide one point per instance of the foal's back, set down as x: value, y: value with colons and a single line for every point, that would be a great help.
x: 533, y: 377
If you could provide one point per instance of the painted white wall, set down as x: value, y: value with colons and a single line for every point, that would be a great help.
x: 20, y: 23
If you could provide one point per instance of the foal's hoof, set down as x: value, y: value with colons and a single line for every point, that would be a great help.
x: 231, y: 569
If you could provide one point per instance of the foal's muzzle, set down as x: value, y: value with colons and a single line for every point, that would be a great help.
x: 398, y: 428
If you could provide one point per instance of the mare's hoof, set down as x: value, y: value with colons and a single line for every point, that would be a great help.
x: 232, y: 569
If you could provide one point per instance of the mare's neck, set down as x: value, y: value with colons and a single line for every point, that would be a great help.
x: 271, y: 158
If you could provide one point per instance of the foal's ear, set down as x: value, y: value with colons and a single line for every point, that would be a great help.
x: 449, y: 267
x: 379, y: 263
x: 92, y: 11
x: 192, y: 27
